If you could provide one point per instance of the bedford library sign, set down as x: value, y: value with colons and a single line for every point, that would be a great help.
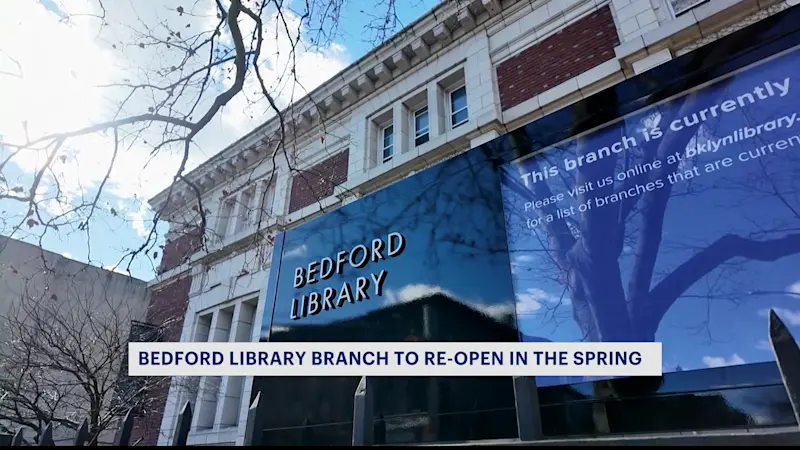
x: 357, y: 258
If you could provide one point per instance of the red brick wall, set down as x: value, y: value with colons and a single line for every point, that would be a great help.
x: 575, y: 49
x: 179, y: 250
x: 168, y: 309
x: 317, y: 183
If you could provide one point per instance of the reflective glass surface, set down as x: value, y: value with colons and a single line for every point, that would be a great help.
x: 449, y: 281
x: 454, y: 280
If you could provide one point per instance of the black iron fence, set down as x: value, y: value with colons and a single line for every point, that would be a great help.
x: 122, y: 437
x: 370, y: 430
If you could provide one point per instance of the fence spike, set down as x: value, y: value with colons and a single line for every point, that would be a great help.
x: 46, y: 440
x: 19, y: 439
x: 787, y: 357
x: 363, y: 418
x: 82, y: 435
x: 250, y: 429
x: 182, y: 428
x: 123, y: 437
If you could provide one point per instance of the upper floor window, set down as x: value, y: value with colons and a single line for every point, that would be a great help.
x: 421, y: 134
x: 267, y: 198
x: 681, y: 6
x: 387, y: 143
x: 245, y: 209
x: 224, y: 218
x: 458, y: 107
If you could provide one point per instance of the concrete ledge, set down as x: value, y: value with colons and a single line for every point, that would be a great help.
x: 768, y: 436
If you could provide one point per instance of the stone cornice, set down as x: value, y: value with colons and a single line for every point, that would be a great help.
x: 410, y: 47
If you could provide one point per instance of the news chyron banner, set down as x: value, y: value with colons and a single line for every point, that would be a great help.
x: 450, y: 359
x: 676, y: 224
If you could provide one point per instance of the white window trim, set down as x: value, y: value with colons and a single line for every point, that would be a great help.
x: 427, y: 130
x: 450, y: 106
x: 384, y: 146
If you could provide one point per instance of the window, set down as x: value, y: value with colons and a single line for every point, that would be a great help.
x: 388, y: 143
x: 458, y: 107
x: 225, y: 214
x: 265, y: 209
x: 421, y: 134
x: 245, y: 206
x: 681, y: 6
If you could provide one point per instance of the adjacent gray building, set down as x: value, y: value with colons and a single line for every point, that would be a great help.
x: 61, y: 320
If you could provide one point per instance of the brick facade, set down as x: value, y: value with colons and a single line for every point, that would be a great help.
x: 178, y: 250
x: 317, y: 183
x: 573, y: 50
x: 167, y: 309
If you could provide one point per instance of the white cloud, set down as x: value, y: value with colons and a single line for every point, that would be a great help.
x: 296, y: 252
x: 532, y: 299
x: 522, y: 259
x: 64, y: 62
x: 764, y: 345
x: 67, y: 255
x: 527, y: 303
x: 413, y: 292
x: 791, y: 317
x: 140, y: 220
x: 721, y: 361
x: 794, y: 288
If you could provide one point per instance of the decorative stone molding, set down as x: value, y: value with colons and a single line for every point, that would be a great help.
x: 749, y: 20
x: 412, y: 46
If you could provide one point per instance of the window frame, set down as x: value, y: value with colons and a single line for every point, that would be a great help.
x: 676, y: 14
x: 267, y: 200
x: 450, y: 106
x: 426, y: 132
x: 384, y: 147
x: 227, y: 213
x: 244, y: 218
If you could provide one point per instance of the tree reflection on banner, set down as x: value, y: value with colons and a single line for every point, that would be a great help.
x: 679, y: 223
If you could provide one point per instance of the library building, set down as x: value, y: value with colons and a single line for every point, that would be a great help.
x: 537, y: 171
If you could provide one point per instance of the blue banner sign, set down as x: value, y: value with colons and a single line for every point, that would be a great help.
x: 679, y: 223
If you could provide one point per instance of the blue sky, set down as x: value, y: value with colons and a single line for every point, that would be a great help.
x: 63, y: 62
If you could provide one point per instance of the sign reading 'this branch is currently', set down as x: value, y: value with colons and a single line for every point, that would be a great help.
x: 358, y: 258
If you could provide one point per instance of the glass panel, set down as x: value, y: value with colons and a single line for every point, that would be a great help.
x: 460, y: 117
x: 767, y: 405
x: 458, y: 99
x: 759, y: 406
x: 444, y: 427
x: 749, y: 375
x: 469, y: 299
x: 422, y: 139
x: 421, y: 121
x: 332, y: 434
x: 703, y: 165
x: 388, y: 136
x: 387, y: 152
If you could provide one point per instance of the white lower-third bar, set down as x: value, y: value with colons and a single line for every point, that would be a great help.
x: 395, y: 359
